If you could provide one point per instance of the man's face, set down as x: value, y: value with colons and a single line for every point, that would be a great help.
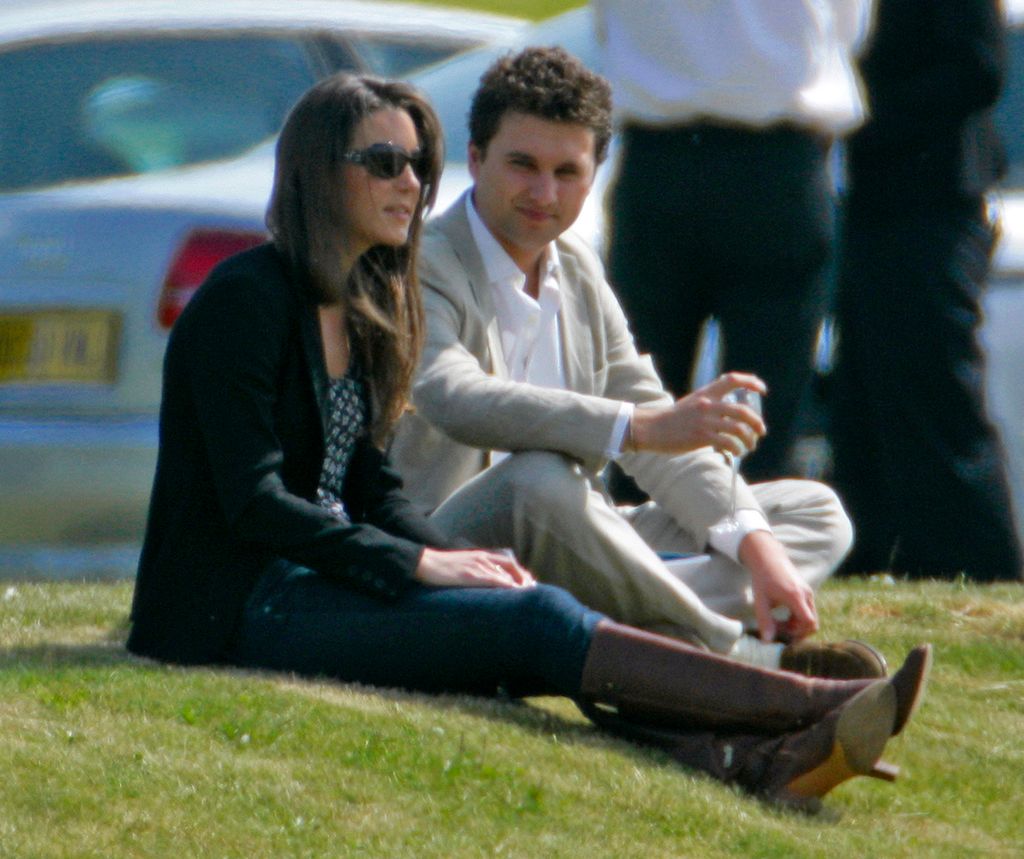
x: 532, y: 182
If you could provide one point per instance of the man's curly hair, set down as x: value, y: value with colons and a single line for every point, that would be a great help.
x: 549, y: 83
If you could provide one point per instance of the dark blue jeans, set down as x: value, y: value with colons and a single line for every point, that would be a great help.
x: 476, y: 640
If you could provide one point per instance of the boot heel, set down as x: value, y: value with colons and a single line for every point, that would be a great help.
x: 861, y: 731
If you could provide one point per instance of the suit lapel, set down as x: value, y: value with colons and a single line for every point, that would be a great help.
x: 574, y: 322
x: 455, y: 225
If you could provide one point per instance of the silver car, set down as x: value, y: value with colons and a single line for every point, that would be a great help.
x: 136, y: 150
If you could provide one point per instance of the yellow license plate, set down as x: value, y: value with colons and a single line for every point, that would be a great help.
x: 59, y: 346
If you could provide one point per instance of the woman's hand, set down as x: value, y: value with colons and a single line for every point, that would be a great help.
x: 471, y: 568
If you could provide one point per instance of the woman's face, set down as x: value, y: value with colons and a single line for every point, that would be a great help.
x: 379, y: 211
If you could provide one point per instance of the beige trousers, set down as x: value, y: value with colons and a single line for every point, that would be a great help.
x: 564, y: 528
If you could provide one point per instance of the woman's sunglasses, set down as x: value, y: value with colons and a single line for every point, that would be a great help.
x: 386, y: 161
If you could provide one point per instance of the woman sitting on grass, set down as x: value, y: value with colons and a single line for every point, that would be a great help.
x: 278, y: 536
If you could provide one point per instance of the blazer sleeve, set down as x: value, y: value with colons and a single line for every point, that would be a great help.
x: 237, y: 352
x: 694, y: 488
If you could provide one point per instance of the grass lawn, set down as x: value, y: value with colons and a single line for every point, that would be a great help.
x: 532, y: 9
x: 109, y: 756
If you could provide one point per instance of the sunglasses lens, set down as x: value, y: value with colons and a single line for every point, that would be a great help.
x: 386, y: 161
x: 420, y: 164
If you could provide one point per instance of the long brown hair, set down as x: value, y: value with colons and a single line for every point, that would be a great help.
x: 380, y: 296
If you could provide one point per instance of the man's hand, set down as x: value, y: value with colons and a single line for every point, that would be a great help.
x: 471, y: 568
x: 776, y: 583
x: 701, y: 419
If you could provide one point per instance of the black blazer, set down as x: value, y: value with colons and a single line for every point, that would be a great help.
x: 241, y: 450
x: 933, y: 72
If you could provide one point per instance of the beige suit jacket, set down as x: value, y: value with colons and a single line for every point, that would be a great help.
x: 466, y: 405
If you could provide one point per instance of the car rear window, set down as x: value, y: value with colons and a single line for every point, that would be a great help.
x: 395, y: 58
x: 92, y: 109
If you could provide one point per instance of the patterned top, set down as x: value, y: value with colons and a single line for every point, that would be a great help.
x: 346, y: 404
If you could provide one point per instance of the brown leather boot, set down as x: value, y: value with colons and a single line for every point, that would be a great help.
x: 794, y: 769
x: 908, y: 683
x: 655, y: 680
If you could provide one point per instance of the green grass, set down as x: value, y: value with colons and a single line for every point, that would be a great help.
x: 532, y: 9
x: 105, y: 755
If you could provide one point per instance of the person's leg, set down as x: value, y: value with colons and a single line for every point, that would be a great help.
x: 656, y: 680
x: 650, y: 241
x: 538, y: 640
x: 776, y: 735
x: 944, y: 490
x: 431, y: 639
x: 809, y: 521
x: 957, y: 459
x: 805, y: 516
x: 541, y: 640
x: 543, y: 507
x: 768, y: 262
x: 793, y: 769
x: 870, y: 318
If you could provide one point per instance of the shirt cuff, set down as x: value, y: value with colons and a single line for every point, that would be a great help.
x: 619, y: 430
x: 726, y: 534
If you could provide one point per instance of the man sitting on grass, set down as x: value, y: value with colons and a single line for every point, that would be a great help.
x: 530, y: 382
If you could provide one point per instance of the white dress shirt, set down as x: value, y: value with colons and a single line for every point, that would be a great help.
x: 753, y: 62
x: 530, y: 329
x: 531, y: 342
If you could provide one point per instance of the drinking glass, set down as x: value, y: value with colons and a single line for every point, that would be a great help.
x: 751, y: 399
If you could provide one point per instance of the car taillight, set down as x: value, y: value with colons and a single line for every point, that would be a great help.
x: 198, y: 254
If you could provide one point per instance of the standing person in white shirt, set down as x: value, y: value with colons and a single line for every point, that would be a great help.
x: 724, y: 205
x: 530, y: 381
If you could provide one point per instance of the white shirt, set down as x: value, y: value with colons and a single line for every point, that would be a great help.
x: 531, y: 342
x: 754, y: 62
x: 529, y: 327
x: 530, y: 330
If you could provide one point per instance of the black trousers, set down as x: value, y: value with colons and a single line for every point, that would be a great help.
x: 916, y: 460
x: 739, y: 224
